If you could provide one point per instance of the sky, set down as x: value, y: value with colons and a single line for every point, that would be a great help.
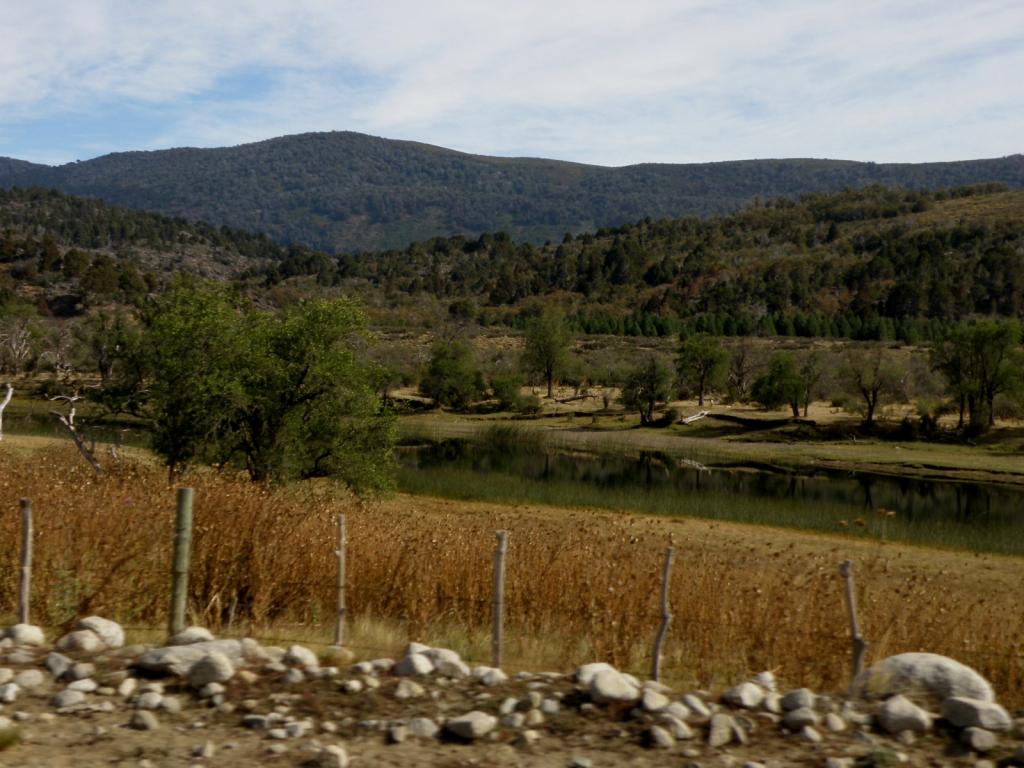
x: 611, y: 83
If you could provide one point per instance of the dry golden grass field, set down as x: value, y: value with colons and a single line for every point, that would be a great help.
x: 582, y: 584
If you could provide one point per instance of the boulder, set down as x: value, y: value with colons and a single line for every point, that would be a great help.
x: 610, y: 685
x: 108, y: 631
x: 800, y: 717
x: 801, y: 697
x: 979, y: 739
x: 966, y: 713
x: 924, y: 676
x: 300, y: 656
x: 423, y: 728
x: 899, y: 714
x: 25, y: 634
x: 191, y: 635
x: 214, y: 667
x: 472, y: 725
x: 412, y: 665
x: 80, y: 641
x: 178, y: 659
x: 586, y: 673
x: 746, y: 695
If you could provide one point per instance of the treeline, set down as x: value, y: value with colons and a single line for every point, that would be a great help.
x: 869, y: 264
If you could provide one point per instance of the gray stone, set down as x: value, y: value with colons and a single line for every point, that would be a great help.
x: 352, y: 686
x: 215, y: 667
x: 25, y: 634
x: 527, y: 738
x: 127, y: 687
x: 21, y: 657
x: 298, y: 729
x: 68, y: 698
x: 766, y: 680
x: 514, y: 720
x: 149, y: 700
x: 413, y: 665
x: 170, y: 704
x: 610, y: 685
x: 801, y: 697
x: 659, y: 738
x: 746, y: 695
x: 796, y: 719
x: 839, y: 762
x: 772, y: 703
x: 721, y: 730
x: 534, y: 718
x: 423, y: 728
x: 398, y: 733
x: 178, y: 659
x: 108, y: 631
x: 978, y: 739
x: 9, y: 692
x: 300, y: 656
x: 57, y: 664
x: 30, y: 678
x: 490, y: 676
x: 333, y: 756
x: 679, y: 729
x: 80, y: 671
x: 965, y: 713
x: 191, y: 635
x: 80, y: 641
x: 293, y: 676
x: 144, y: 720
x: 210, y: 690
x: 898, y: 714
x: 925, y: 676
x: 550, y: 706
x: 86, y: 685
x: 204, y: 751
x: 255, y: 722
x: 279, y: 734
x: 678, y: 710
x: 472, y: 725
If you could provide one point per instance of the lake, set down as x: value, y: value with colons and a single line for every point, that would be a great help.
x: 974, y: 516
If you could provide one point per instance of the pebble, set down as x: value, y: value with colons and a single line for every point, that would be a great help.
x: 978, y: 739
x: 423, y: 728
x: 809, y: 733
x: 293, y: 676
x: 68, y: 698
x: 409, y: 689
x: 204, y: 751
x: 720, y: 730
x: 472, y: 725
x: 800, y: 698
x: 660, y: 738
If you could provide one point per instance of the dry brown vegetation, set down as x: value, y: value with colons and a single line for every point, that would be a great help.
x: 582, y: 584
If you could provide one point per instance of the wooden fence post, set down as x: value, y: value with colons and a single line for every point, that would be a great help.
x: 182, y: 556
x: 666, y: 615
x: 857, y: 641
x: 498, y: 615
x: 339, y: 626
x: 24, y: 583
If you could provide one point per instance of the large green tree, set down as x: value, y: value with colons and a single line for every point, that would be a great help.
x: 286, y: 394
x: 872, y: 375
x: 548, y: 341
x: 453, y: 378
x: 703, y: 364
x: 780, y: 385
x: 646, y: 386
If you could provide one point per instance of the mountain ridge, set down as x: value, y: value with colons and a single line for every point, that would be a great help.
x: 344, y: 191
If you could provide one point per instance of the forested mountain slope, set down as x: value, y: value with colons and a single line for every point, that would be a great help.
x: 341, y: 192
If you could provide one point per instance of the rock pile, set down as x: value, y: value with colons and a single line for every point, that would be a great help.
x: 290, y: 700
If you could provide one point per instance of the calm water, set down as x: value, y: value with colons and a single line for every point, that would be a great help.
x: 962, y: 515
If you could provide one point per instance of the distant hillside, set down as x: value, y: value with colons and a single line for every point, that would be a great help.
x: 342, y: 192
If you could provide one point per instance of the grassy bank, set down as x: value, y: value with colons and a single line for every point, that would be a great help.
x: 582, y: 582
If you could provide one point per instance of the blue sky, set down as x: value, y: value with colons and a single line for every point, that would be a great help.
x: 600, y: 82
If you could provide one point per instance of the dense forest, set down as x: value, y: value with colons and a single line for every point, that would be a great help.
x: 342, y: 192
x: 874, y: 263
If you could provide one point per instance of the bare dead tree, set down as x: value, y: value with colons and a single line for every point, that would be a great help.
x: 69, y: 423
x: 4, y: 404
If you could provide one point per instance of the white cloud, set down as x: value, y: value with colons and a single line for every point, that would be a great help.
x: 599, y: 81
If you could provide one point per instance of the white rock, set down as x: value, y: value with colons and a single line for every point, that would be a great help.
x: 300, y: 656
x: 30, y: 678
x: 127, y: 687
x: 408, y: 689
x: 923, y: 675
x: 721, y: 730
x: 585, y: 674
x: 527, y: 738
x: 489, y: 676
x: 215, y: 667
x: 26, y: 634
x: 660, y: 738
x: 412, y: 665
x: 610, y: 685
x: 423, y: 728
x: 767, y: 681
x: 178, y: 659
x: 190, y: 635
x: 979, y: 739
x: 9, y: 692
x: 108, y: 631
x: 746, y: 695
x: 57, y: 664
x: 809, y: 733
x: 352, y: 686
x: 414, y: 647
x: 68, y: 698
x: 333, y: 756
x: 678, y: 710
x: 149, y: 700
x: 965, y: 713
x: 472, y: 725
x: 6, y: 675
x: 696, y: 705
x: 293, y: 676
x: 898, y: 714
x: 80, y: 641
x: 652, y: 700
x: 677, y: 727
x: 85, y: 685
x: 835, y: 723
x: 144, y: 720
